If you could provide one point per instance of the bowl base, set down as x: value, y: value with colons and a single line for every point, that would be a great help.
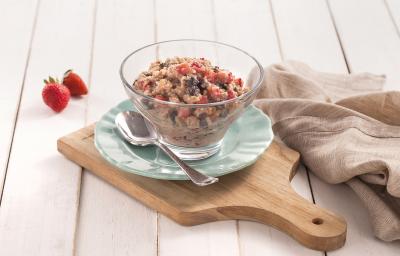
x: 186, y: 153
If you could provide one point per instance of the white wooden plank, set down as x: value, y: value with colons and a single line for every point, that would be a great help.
x: 250, y: 26
x: 306, y: 24
x: 369, y: 38
x: 38, y: 211
x: 394, y: 11
x: 301, y: 25
x: 111, y: 222
x: 371, y: 44
x: 219, y: 238
x: 360, y: 239
x: 17, y: 22
x: 307, y: 34
x: 191, y: 19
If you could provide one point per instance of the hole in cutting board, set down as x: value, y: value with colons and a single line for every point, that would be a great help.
x: 317, y: 221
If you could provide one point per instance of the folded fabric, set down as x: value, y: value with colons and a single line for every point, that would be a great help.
x: 346, y: 130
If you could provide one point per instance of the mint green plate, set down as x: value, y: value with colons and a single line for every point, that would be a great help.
x: 244, y: 142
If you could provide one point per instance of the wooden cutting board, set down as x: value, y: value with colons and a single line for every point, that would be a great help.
x: 261, y: 193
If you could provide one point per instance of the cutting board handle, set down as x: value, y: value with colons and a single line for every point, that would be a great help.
x: 306, y: 222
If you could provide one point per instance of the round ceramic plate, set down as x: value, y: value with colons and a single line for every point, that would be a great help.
x: 244, y: 142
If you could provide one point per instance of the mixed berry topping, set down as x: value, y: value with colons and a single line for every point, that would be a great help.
x: 189, y: 80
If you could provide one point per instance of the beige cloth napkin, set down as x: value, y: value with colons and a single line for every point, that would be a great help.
x: 345, y: 129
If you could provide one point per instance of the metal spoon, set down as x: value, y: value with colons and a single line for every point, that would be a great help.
x: 138, y: 131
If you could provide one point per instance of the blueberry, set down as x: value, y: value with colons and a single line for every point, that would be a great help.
x: 193, y: 81
x: 203, y: 120
x: 192, y: 86
x: 147, y: 103
x: 201, y: 85
x: 224, y: 113
x: 193, y: 90
x: 222, y: 86
x: 172, y: 115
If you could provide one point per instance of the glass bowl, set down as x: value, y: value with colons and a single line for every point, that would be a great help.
x: 192, y: 131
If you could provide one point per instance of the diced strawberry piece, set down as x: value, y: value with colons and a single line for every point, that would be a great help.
x: 203, y: 100
x: 198, y: 67
x: 183, y: 69
x: 214, y: 92
x: 146, y: 87
x: 183, y: 112
x: 195, y: 64
x: 224, y: 77
x: 239, y: 81
x: 221, y: 77
x: 231, y: 94
x: 229, y: 78
x: 211, y: 76
x: 161, y: 97
x: 140, y: 85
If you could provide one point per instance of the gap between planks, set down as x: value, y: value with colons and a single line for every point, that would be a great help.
x: 390, y: 12
x: 89, y: 83
x: 216, y: 36
x: 19, y: 99
x: 328, y: 6
x: 283, y: 58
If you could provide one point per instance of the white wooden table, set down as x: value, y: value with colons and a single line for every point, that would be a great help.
x: 49, y: 206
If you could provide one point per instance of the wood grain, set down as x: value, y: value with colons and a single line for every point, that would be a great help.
x: 261, y: 193
x: 371, y: 44
x: 307, y: 34
x: 127, y: 227
x: 17, y: 19
x: 393, y: 7
x: 41, y: 192
x: 252, y: 29
x: 173, y: 239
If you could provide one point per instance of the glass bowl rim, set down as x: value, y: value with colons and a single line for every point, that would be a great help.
x: 243, y: 96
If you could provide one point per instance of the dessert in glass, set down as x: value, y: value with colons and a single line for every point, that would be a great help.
x: 191, y: 91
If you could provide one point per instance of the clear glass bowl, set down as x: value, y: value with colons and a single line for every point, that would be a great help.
x: 199, y: 134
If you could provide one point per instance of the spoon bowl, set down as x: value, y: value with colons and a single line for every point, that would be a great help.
x: 139, y: 133
x: 135, y: 129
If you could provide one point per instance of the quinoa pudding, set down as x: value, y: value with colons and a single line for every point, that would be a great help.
x: 187, y: 80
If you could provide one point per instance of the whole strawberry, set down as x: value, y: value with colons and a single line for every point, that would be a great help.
x: 74, y: 83
x: 55, y: 95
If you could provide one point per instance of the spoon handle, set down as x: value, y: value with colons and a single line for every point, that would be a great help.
x: 197, y: 177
